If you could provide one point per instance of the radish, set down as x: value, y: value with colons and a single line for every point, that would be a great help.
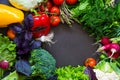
x: 114, y: 47
x: 113, y: 55
x: 104, y: 48
x: 105, y: 41
x: 114, y: 50
x: 4, y: 64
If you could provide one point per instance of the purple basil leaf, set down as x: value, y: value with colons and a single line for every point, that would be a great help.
x: 23, y: 51
x: 20, y: 51
x: 27, y: 50
x: 25, y: 43
x: 91, y: 73
x: 16, y: 27
x: 35, y: 44
x: 18, y: 41
x: 28, y: 36
x: 86, y: 71
x: 23, y: 66
x: 28, y: 21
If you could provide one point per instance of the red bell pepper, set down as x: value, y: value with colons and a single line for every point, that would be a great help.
x: 41, y: 25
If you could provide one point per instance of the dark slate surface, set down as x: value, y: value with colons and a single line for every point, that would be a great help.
x: 4, y: 2
x: 73, y: 45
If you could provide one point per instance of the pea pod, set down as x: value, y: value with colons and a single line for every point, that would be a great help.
x: 9, y: 15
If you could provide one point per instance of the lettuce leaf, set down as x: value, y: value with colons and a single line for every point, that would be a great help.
x: 7, y: 49
x: 71, y: 73
x: 104, y: 66
x: 14, y: 76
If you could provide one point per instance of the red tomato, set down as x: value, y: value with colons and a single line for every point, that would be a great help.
x: 49, y: 5
x: 46, y: 6
x: 90, y: 62
x: 54, y: 20
x: 55, y: 10
x: 71, y: 1
x: 42, y: 7
x: 58, y: 2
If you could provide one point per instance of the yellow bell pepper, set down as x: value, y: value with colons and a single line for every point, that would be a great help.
x: 9, y: 15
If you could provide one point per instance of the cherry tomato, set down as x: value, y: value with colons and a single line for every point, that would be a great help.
x: 90, y: 62
x: 42, y: 7
x: 49, y: 5
x: 11, y: 34
x: 55, y: 10
x: 71, y: 1
x: 54, y: 20
x: 58, y: 2
x: 46, y: 6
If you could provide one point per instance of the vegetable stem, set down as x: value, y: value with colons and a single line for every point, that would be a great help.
x: 1, y: 73
x: 35, y: 12
x: 66, y: 15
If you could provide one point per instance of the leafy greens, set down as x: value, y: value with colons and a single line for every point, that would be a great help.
x: 71, y: 73
x: 7, y: 50
x: 99, y: 17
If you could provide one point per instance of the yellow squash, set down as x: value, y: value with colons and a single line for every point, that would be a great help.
x: 9, y: 15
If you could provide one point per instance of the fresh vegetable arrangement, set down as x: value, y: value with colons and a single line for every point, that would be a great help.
x: 29, y: 25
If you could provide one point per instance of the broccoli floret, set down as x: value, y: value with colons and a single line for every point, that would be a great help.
x: 43, y: 64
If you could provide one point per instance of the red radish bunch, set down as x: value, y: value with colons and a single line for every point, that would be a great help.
x: 4, y: 64
x: 105, y: 41
x: 112, y: 49
x: 115, y: 55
